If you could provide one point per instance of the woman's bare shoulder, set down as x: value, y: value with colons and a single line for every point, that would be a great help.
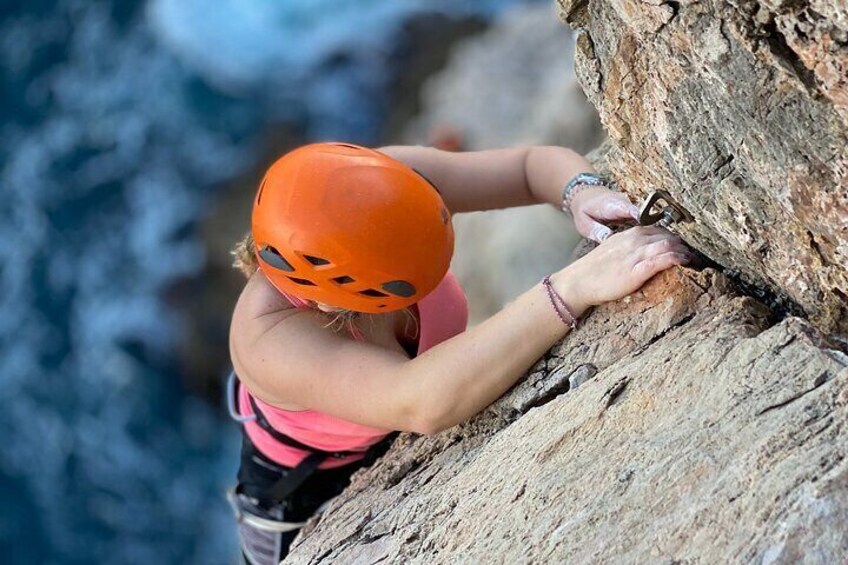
x: 258, y: 311
x: 259, y: 308
x: 286, y: 356
x: 259, y: 298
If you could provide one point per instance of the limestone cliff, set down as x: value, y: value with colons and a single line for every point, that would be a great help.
x: 740, y: 110
x: 688, y: 422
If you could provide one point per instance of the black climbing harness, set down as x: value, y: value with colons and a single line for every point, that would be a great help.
x: 257, y: 511
x: 294, y: 478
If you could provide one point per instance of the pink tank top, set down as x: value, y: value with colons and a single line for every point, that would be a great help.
x: 443, y: 314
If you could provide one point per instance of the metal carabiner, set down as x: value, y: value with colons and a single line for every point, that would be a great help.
x: 231, y: 401
x: 669, y: 213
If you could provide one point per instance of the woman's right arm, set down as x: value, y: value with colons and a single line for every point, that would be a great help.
x: 299, y: 362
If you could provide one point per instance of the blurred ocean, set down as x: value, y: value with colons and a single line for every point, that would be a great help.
x: 119, y: 119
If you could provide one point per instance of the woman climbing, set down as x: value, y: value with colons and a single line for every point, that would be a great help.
x: 351, y: 326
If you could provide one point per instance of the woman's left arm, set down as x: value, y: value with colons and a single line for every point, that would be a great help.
x: 520, y: 176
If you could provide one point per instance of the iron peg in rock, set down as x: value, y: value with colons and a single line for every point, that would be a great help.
x: 669, y: 210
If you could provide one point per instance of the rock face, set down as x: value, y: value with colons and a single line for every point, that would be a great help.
x: 688, y: 422
x: 675, y: 425
x: 740, y: 111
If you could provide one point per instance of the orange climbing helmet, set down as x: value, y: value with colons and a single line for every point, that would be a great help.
x: 352, y: 228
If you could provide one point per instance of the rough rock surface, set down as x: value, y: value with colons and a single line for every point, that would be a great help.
x: 674, y: 425
x: 740, y: 111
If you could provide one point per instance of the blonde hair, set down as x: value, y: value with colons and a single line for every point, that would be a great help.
x: 245, y: 259
x: 246, y: 262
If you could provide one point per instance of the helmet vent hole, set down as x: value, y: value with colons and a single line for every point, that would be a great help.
x: 273, y: 258
x: 317, y: 261
x: 344, y: 279
x: 349, y: 146
x: 399, y: 288
x: 372, y: 292
x: 302, y: 281
x: 381, y: 306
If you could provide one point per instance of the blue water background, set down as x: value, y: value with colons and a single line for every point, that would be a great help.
x: 119, y: 119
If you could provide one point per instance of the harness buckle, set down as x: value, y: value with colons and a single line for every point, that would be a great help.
x: 244, y: 516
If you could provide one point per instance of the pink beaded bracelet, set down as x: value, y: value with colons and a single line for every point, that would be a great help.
x: 559, y: 304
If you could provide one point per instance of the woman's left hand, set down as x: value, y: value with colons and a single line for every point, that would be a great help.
x: 595, y: 205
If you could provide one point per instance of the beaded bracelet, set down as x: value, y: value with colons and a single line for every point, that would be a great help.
x: 578, y: 183
x: 562, y: 310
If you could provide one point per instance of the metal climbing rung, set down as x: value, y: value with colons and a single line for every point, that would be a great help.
x: 669, y: 210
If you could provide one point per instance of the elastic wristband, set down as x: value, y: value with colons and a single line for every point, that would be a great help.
x: 562, y: 310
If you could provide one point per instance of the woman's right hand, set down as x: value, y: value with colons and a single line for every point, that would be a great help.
x: 619, y: 266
